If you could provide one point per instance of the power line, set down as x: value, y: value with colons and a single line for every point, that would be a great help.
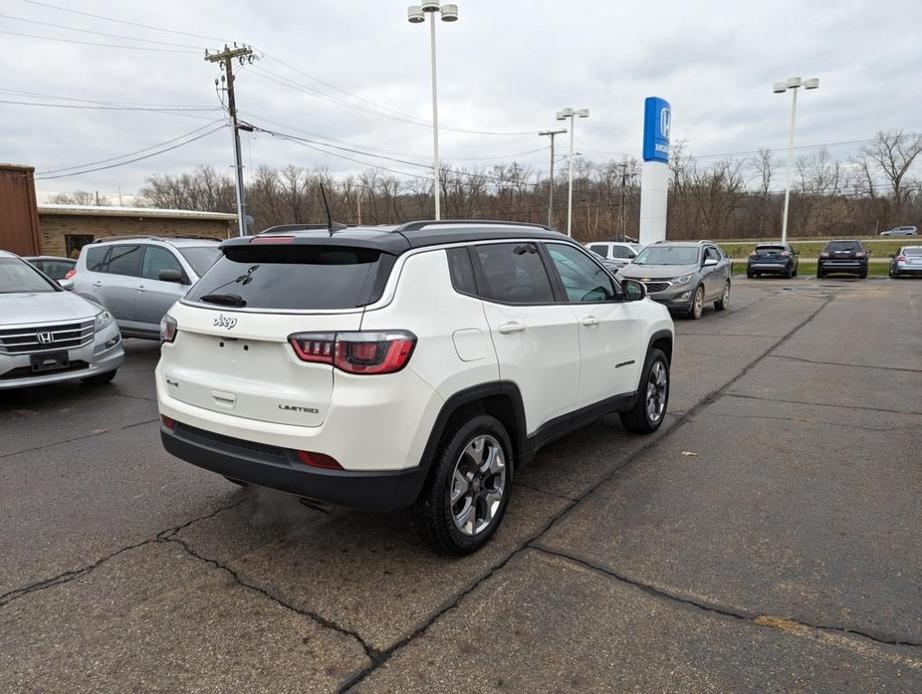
x: 98, y: 33
x: 120, y: 21
x: 158, y: 109
x: 58, y: 97
x: 93, y: 43
x: 131, y: 161
x: 128, y: 154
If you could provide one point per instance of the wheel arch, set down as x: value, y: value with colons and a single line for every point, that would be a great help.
x: 662, y: 340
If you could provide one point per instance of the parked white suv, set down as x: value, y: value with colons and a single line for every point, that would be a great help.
x: 379, y: 368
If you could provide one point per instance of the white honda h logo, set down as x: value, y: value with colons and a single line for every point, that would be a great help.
x: 665, y: 122
x: 45, y: 338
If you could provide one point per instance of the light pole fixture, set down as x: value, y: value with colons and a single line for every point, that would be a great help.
x: 792, y: 84
x: 416, y: 14
x: 550, y: 196
x: 571, y: 114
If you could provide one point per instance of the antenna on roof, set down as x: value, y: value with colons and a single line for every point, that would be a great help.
x: 326, y: 207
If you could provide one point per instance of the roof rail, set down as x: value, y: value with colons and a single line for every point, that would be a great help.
x: 422, y: 224
x: 152, y: 237
x: 302, y: 227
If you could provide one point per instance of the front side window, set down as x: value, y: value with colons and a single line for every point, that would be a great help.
x: 124, y: 260
x: 583, y: 280
x: 712, y: 253
x: 17, y: 276
x: 622, y: 252
x: 512, y: 273
x: 157, y: 259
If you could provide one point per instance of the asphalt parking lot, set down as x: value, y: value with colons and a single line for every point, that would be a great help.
x: 767, y: 538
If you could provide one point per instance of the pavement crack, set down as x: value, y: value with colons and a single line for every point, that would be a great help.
x: 543, y: 491
x: 753, y: 617
x: 803, y: 420
x: 898, y: 369
x: 823, y: 404
x: 372, y: 653
x: 74, y: 574
x: 98, y: 432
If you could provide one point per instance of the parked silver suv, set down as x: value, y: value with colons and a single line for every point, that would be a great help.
x: 48, y: 335
x: 138, y: 278
x: 683, y: 275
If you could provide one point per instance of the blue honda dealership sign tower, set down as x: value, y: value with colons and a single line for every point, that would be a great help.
x: 654, y: 175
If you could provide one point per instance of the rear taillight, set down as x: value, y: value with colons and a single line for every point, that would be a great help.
x: 785, y: 254
x: 860, y: 254
x: 901, y: 258
x: 272, y: 239
x: 824, y: 254
x: 70, y: 274
x: 753, y: 254
x: 318, y: 460
x: 363, y: 352
x: 167, y: 329
x: 168, y: 422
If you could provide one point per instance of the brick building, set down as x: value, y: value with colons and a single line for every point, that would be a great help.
x: 65, y: 229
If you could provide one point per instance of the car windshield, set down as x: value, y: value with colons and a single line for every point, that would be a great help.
x: 843, y: 246
x: 913, y: 251
x: 17, y: 276
x: 200, y: 257
x: 667, y: 255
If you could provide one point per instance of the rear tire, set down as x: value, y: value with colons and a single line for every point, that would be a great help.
x: 788, y: 274
x: 724, y: 301
x: 863, y: 274
x: 750, y: 274
x: 465, y: 496
x: 101, y: 379
x: 820, y: 275
x: 649, y: 409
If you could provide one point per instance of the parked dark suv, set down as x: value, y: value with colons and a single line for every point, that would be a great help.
x: 772, y: 259
x: 843, y: 257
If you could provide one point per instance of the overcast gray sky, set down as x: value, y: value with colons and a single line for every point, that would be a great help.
x: 505, y: 67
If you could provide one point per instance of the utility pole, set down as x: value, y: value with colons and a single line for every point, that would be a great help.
x: 358, y: 202
x: 226, y: 57
x: 550, y: 198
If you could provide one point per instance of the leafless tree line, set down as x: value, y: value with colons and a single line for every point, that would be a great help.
x: 722, y: 199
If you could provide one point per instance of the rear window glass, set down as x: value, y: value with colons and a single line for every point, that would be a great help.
x: 601, y: 250
x: 843, y: 246
x: 294, y: 277
x: 770, y: 250
x: 622, y: 252
x: 95, y: 257
x: 912, y: 251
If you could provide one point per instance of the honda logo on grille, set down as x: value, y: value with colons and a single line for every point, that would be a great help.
x: 45, y: 338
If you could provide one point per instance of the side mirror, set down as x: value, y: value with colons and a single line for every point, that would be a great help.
x: 709, y: 262
x: 633, y: 290
x: 171, y: 276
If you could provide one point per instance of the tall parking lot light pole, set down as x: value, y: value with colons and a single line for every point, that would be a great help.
x: 550, y: 196
x: 792, y: 85
x: 571, y: 115
x: 416, y: 14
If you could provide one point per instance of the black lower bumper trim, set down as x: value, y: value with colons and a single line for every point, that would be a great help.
x: 278, y: 468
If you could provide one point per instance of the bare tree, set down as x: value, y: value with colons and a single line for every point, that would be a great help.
x: 79, y: 197
x: 893, y: 154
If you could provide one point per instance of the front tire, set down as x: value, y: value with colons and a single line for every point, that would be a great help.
x: 724, y: 301
x: 649, y: 410
x: 465, y: 496
x: 697, y: 304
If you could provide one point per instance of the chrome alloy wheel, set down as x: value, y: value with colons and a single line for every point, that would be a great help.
x: 698, y: 302
x: 725, y: 299
x: 657, y: 391
x: 477, y: 485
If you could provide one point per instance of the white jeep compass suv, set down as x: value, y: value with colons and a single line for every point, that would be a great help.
x: 424, y: 364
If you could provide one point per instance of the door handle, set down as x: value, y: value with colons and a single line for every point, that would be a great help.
x: 590, y: 321
x: 512, y: 326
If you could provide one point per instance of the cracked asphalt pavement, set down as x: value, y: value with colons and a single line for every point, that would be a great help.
x: 767, y: 538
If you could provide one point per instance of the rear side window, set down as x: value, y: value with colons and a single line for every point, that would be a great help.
x: 622, y: 252
x: 95, y: 257
x: 462, y: 272
x: 602, y: 250
x: 511, y: 273
x: 124, y: 260
x: 294, y: 277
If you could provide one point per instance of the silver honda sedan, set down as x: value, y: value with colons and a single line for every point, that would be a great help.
x: 48, y: 335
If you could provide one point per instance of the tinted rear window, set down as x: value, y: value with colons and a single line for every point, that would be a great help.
x: 912, y: 251
x: 601, y: 250
x: 295, y: 277
x: 770, y: 250
x: 843, y: 246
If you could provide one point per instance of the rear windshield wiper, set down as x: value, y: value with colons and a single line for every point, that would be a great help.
x: 225, y: 299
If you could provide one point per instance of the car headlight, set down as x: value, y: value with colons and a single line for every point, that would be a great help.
x: 682, y: 280
x: 103, y: 320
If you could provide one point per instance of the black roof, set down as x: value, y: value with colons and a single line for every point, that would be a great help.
x: 400, y: 239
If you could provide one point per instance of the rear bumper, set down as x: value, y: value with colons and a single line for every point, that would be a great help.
x: 766, y: 268
x: 857, y: 265
x: 280, y: 469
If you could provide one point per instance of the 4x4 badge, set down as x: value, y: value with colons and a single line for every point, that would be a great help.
x: 223, y: 321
